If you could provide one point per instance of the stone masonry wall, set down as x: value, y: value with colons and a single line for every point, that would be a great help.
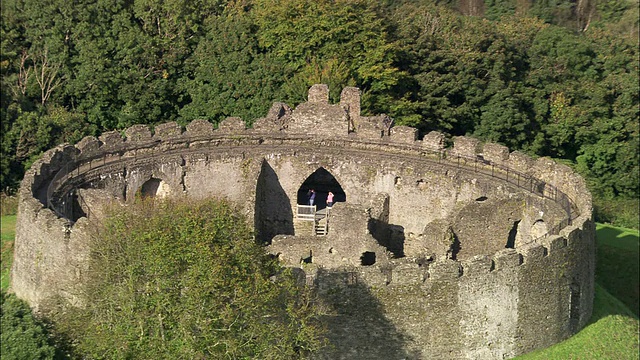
x: 489, y: 302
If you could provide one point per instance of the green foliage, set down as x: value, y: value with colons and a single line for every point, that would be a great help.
x: 495, y: 9
x: 33, y: 132
x: 8, y: 204
x: 233, y: 76
x: 316, y: 39
x: 617, y: 211
x: 23, y: 336
x: 186, y: 280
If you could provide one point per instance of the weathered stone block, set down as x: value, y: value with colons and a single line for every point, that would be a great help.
x: 88, y: 146
x: 138, y: 133
x: 278, y: 110
x: 434, y: 140
x: 444, y: 270
x: 465, y: 146
x: 369, y: 131
x: 407, y: 274
x: 373, y: 276
x: 266, y: 125
x: 404, y: 134
x: 557, y: 243
x: 544, y: 168
x: 350, y: 100
x: 533, y: 252
x: 520, y: 162
x: 199, y: 128
x: 319, y: 93
x: 232, y: 125
x: 167, y: 131
x: 111, y: 139
x: 507, y: 258
x: 477, y: 266
x: 319, y: 119
x: 495, y: 153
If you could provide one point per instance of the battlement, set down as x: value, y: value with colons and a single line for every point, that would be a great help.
x: 405, y: 204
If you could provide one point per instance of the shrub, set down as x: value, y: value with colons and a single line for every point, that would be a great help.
x: 23, y: 336
x: 186, y: 280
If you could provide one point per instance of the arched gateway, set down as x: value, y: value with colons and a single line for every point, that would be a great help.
x: 466, y: 252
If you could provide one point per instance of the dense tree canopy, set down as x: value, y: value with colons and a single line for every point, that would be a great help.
x: 552, y: 78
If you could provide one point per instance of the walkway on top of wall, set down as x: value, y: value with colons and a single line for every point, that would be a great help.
x: 397, y: 151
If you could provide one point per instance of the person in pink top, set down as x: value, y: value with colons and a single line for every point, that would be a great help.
x: 329, y: 199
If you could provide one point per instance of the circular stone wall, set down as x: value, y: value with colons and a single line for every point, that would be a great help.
x: 467, y: 252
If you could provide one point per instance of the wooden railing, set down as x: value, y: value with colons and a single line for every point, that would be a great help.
x: 306, y: 212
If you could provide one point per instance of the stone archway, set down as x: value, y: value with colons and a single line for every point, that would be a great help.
x: 321, y: 181
x: 154, y: 188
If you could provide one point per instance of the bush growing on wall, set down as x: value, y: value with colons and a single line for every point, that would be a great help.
x: 186, y: 280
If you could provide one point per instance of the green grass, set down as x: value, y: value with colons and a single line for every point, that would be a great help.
x: 7, y: 234
x: 618, y: 268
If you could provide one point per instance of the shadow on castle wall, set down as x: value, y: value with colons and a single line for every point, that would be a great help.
x: 389, y: 236
x: 273, y: 214
x: 357, y: 326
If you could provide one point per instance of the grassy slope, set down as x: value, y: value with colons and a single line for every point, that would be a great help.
x: 612, y: 332
x: 7, y: 233
x: 618, y: 268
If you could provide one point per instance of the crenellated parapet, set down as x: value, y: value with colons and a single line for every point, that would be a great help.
x: 500, y: 244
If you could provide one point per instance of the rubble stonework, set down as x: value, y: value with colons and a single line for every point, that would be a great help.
x: 468, y: 252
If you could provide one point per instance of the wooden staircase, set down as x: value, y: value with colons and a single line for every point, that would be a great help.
x: 311, y: 221
x: 321, y: 227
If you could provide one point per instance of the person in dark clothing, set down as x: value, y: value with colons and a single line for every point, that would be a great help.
x: 312, y: 197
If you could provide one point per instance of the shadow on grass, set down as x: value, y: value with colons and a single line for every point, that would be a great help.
x: 356, y: 324
x: 617, y: 268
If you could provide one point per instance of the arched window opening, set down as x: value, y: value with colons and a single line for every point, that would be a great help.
x: 321, y: 182
x: 538, y: 229
x: 153, y: 188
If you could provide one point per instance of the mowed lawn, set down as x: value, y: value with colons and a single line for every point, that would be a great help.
x: 7, y: 234
x: 612, y: 332
x: 618, y: 269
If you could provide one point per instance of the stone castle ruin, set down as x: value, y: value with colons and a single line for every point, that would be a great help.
x: 429, y: 252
